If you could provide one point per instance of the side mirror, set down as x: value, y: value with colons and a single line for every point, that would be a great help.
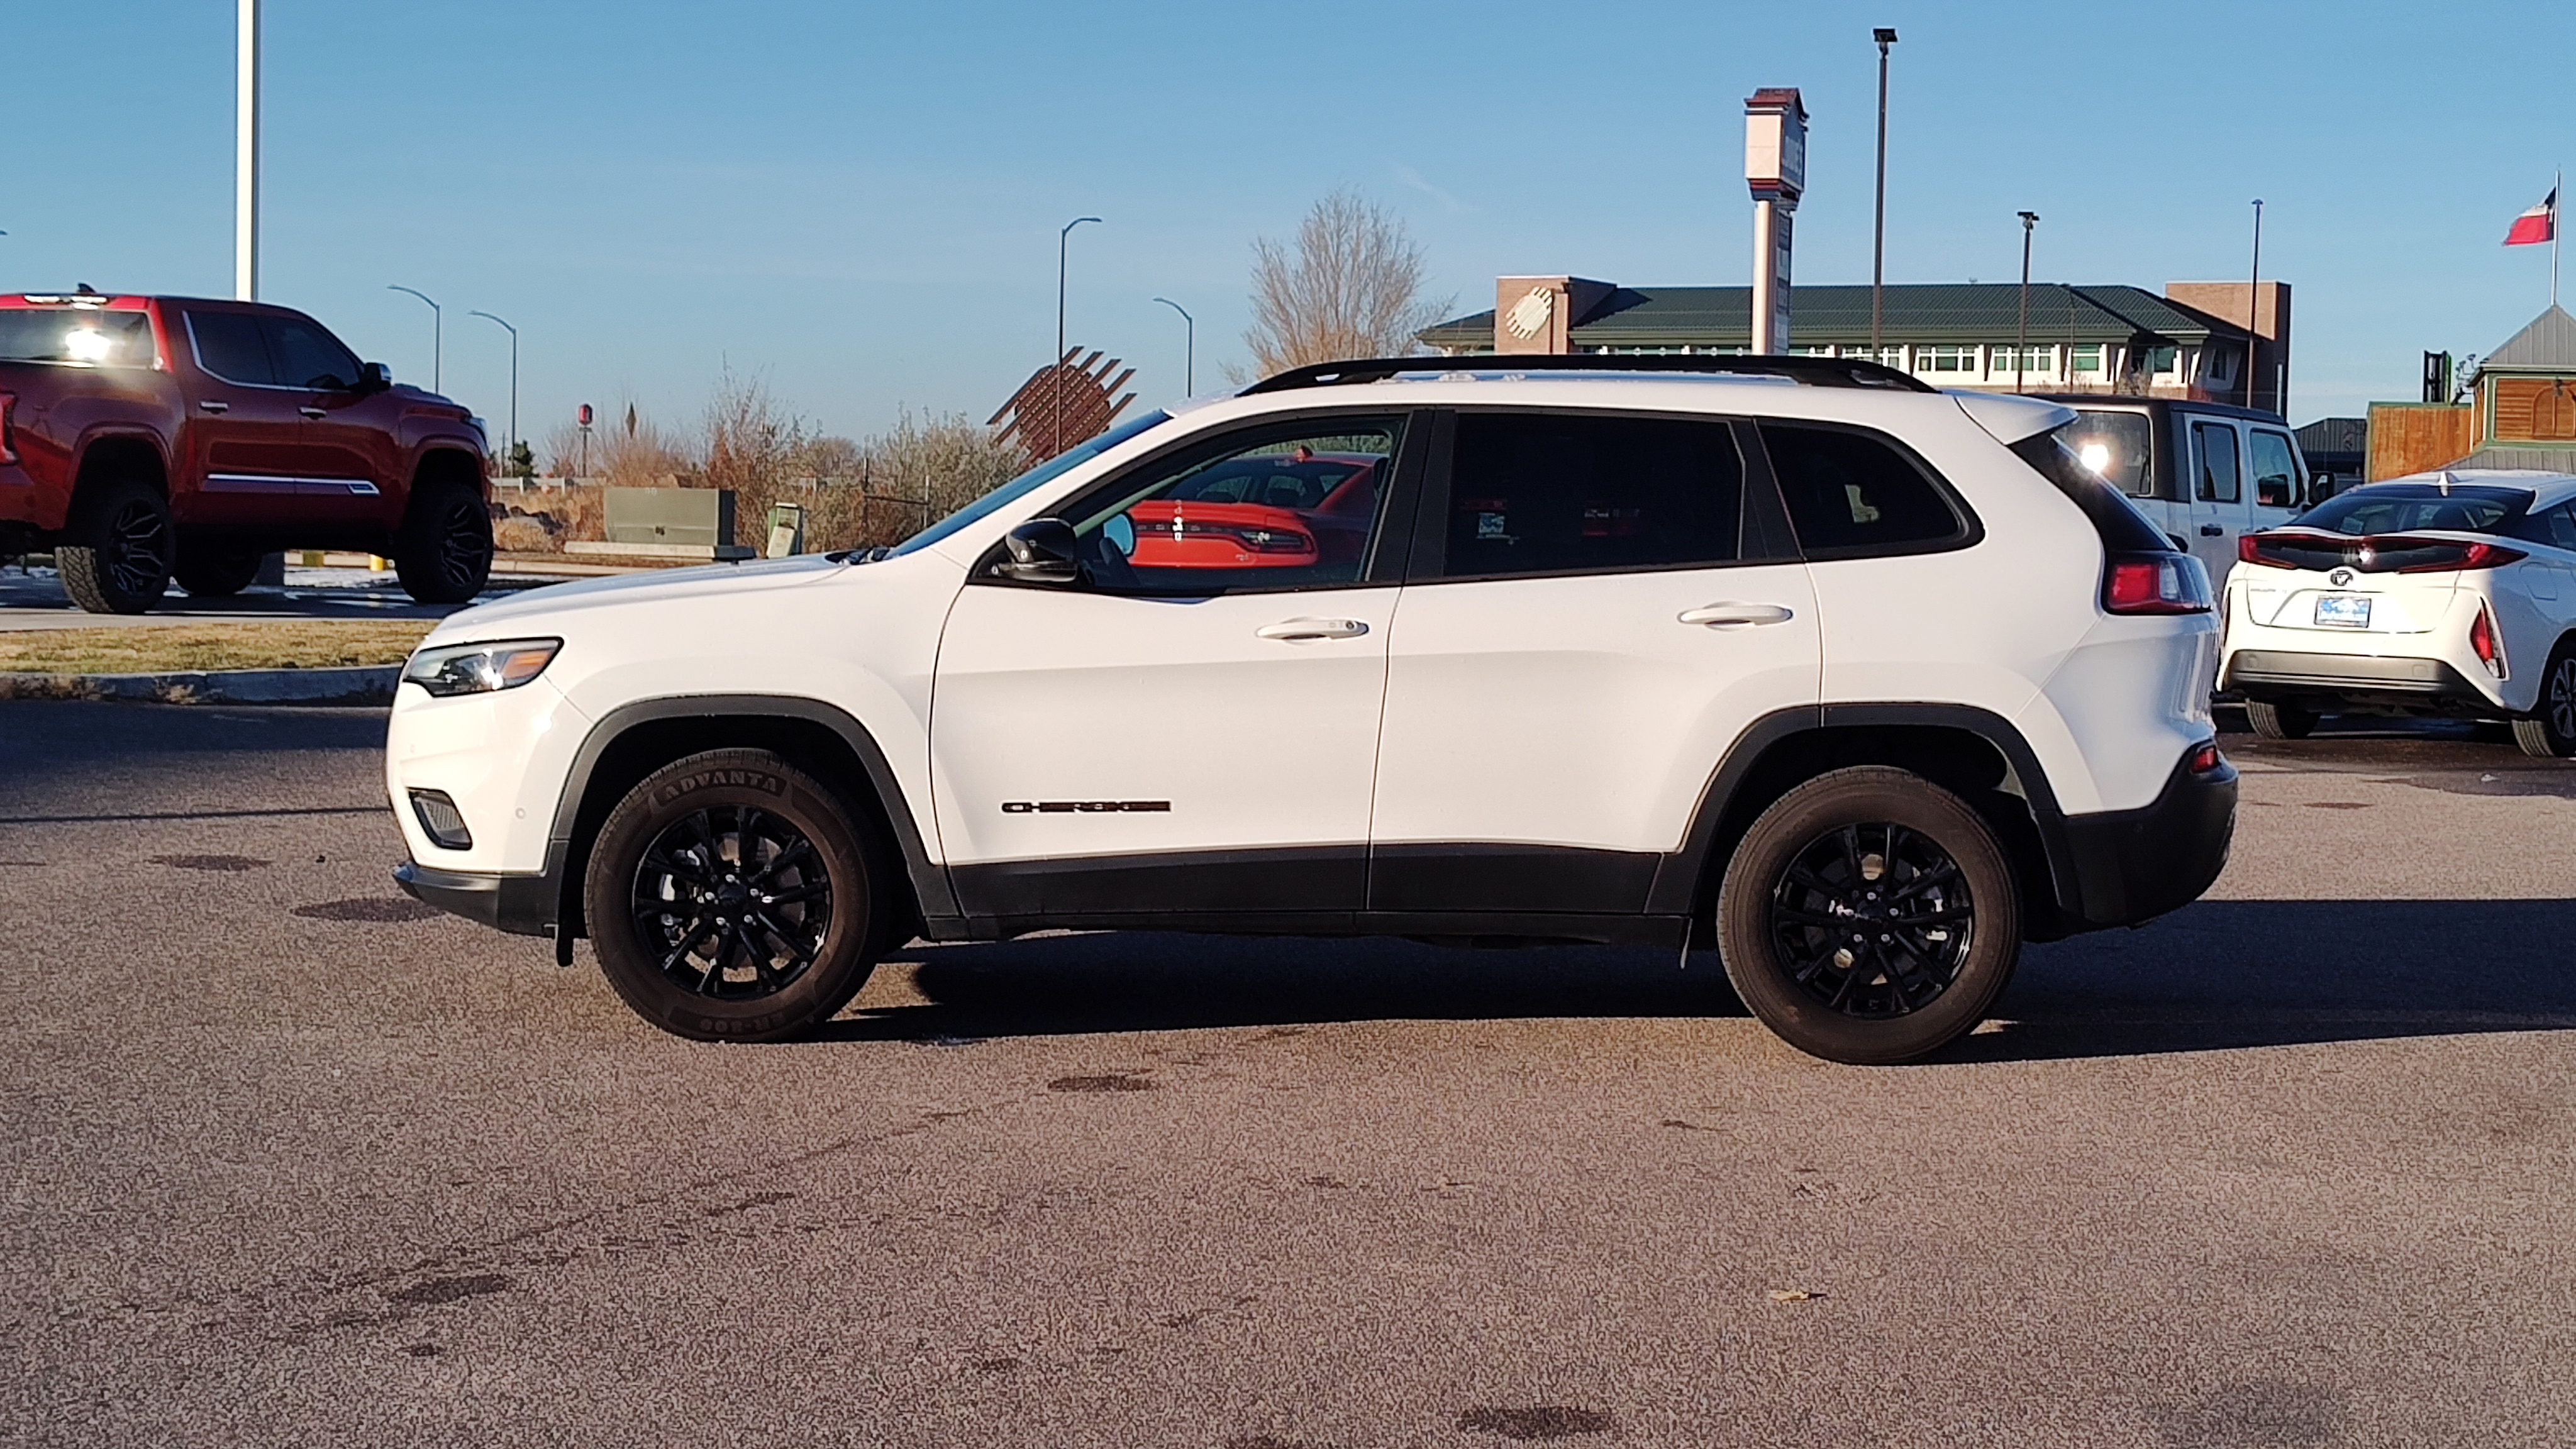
x: 1042, y: 552
x: 374, y: 377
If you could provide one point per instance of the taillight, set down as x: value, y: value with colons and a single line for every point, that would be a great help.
x: 8, y: 439
x: 2294, y: 548
x: 2482, y: 640
x: 2249, y: 549
x: 2155, y: 583
x: 2206, y: 759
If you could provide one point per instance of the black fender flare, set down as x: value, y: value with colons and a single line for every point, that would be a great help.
x: 929, y: 878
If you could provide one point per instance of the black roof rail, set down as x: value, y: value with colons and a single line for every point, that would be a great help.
x: 1810, y: 371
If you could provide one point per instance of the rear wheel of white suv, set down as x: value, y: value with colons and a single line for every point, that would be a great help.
x: 2551, y: 730
x: 1869, y: 917
x: 733, y: 897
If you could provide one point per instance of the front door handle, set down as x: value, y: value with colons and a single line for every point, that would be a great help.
x: 1303, y: 631
x: 317, y: 414
x: 212, y: 406
x: 2212, y: 530
x: 1718, y: 616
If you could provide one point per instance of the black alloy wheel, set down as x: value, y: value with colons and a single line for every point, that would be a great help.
x: 731, y: 896
x: 2550, y: 732
x: 1869, y: 916
x: 119, y: 561
x: 444, y: 554
x: 1873, y: 920
x: 734, y: 901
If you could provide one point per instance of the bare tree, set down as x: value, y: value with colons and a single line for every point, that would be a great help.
x: 924, y: 467
x: 1350, y: 286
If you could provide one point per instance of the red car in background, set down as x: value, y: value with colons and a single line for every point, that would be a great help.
x: 144, y: 439
x: 1293, y: 510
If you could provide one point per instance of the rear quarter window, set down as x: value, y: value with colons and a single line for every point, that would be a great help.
x: 1851, y: 493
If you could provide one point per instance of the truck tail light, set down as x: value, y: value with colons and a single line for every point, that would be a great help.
x: 2154, y: 583
x: 2482, y: 640
x: 8, y: 438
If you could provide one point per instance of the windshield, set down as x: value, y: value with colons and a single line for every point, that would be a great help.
x: 2116, y: 445
x: 83, y: 335
x: 2405, y: 507
x: 1029, y: 482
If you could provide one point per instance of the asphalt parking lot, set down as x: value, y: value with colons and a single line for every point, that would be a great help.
x: 289, y: 1161
x: 33, y: 598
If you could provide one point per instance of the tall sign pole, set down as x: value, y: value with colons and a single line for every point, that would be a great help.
x: 1886, y: 36
x: 1775, y: 171
x: 246, y: 159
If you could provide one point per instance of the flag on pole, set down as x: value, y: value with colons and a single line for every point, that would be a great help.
x: 2537, y: 225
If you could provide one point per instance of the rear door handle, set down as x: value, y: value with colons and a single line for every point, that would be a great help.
x: 212, y: 406
x: 1720, y: 615
x: 1301, y: 631
x: 314, y: 413
x: 2212, y: 530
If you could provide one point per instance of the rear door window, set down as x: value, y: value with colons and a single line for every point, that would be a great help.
x: 2117, y: 445
x: 2214, y: 475
x: 230, y: 346
x: 1556, y: 493
x: 1851, y: 493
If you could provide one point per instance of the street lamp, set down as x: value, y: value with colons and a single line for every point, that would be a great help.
x: 437, y: 321
x: 1189, y: 347
x: 2253, y: 303
x: 1055, y: 373
x: 514, y: 375
x: 1885, y: 36
x: 2021, y: 343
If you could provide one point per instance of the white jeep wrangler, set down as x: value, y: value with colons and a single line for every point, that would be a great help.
x: 1859, y: 683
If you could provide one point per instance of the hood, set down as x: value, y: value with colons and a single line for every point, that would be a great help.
x: 520, y: 610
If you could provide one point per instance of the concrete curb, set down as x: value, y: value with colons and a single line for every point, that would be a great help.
x: 342, y: 687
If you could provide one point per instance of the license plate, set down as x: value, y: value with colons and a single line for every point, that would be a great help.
x: 2343, y: 611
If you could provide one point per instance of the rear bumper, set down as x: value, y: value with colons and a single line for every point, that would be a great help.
x: 523, y: 905
x: 2280, y: 675
x: 2134, y: 865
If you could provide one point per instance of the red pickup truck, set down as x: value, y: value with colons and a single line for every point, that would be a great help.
x: 144, y: 439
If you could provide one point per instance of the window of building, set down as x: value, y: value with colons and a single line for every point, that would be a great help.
x: 2037, y: 358
x: 1945, y: 359
x: 1849, y: 492
x: 1556, y: 493
x: 2162, y: 361
x: 2087, y: 358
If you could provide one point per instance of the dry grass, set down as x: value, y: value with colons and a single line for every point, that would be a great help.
x: 180, y: 648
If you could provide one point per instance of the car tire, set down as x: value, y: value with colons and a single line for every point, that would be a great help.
x: 213, y: 570
x: 1870, y: 846
x: 443, y: 555
x: 705, y: 948
x: 2279, y: 721
x: 115, y: 557
x: 2550, y: 732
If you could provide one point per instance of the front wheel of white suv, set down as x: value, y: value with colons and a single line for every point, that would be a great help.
x: 2551, y: 729
x: 731, y: 897
x: 1869, y: 917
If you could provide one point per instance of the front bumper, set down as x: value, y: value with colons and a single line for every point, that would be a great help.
x: 2131, y: 866
x: 523, y: 905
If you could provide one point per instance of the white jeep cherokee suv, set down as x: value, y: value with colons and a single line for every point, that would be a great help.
x: 1860, y: 683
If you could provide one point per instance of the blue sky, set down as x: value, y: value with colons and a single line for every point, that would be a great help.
x: 859, y: 202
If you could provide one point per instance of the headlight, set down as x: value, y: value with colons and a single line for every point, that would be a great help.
x: 480, y: 668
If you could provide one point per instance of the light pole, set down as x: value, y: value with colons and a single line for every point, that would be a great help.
x: 514, y: 376
x: 2253, y: 304
x: 1886, y: 36
x: 246, y: 157
x: 2021, y: 343
x: 437, y: 342
x: 1189, y: 347
x: 1055, y: 369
